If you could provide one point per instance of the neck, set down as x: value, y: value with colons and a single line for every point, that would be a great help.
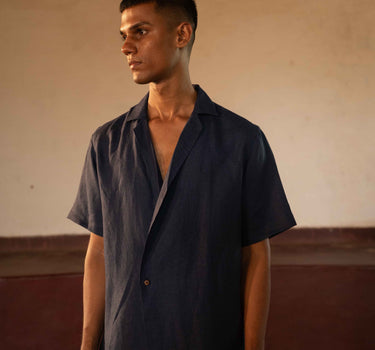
x: 171, y: 99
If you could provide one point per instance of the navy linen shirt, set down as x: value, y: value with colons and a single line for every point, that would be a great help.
x: 173, y: 248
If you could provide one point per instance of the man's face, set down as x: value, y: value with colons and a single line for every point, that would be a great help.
x: 149, y: 44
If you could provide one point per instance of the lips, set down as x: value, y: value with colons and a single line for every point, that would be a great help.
x: 134, y: 64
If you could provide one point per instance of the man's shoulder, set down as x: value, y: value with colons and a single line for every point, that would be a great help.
x: 224, y: 118
x: 233, y: 121
x: 112, y: 128
x: 116, y: 128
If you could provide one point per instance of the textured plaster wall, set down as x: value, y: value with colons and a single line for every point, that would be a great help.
x: 302, y: 70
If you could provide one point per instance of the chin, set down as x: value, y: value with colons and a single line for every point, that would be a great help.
x: 141, y: 79
x: 144, y: 78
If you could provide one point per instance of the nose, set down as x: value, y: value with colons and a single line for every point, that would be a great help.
x: 128, y: 47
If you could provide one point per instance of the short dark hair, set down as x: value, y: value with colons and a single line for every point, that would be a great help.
x: 186, y: 9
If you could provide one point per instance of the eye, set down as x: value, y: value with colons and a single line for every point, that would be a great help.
x: 123, y: 37
x: 141, y: 31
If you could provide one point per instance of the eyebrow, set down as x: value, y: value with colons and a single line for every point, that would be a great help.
x: 135, y: 26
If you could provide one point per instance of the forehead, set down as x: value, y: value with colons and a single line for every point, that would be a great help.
x: 143, y: 13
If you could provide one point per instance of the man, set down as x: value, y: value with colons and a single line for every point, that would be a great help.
x: 181, y: 197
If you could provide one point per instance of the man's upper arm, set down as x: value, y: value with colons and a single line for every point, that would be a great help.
x: 265, y: 208
x: 87, y: 208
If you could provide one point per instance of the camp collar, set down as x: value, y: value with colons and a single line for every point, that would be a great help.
x: 203, y: 105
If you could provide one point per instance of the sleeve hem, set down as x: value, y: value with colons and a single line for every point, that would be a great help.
x: 76, y: 219
x: 270, y: 234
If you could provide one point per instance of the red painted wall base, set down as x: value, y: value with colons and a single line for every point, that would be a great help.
x: 323, y: 288
x: 312, y: 307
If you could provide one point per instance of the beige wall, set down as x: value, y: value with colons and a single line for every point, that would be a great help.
x: 302, y: 70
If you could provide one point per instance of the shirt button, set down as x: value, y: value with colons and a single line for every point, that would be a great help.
x: 146, y: 282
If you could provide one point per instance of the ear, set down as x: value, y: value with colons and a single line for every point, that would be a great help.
x: 184, y: 34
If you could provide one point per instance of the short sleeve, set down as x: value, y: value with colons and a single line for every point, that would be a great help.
x: 87, y: 208
x: 265, y: 209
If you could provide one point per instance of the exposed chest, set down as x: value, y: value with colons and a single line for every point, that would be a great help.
x: 165, y: 136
